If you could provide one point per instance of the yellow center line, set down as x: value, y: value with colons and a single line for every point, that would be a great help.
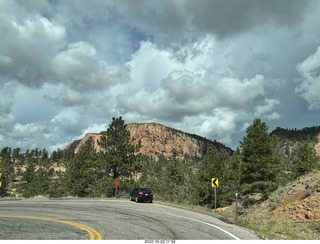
x: 94, y: 235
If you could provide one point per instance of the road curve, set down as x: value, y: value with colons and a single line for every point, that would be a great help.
x: 80, y: 219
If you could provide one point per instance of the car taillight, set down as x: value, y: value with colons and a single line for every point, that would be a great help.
x: 140, y: 193
x: 151, y: 193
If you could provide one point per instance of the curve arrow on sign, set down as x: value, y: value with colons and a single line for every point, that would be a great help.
x: 215, y: 182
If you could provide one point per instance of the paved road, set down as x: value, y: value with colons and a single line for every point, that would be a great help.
x: 80, y: 219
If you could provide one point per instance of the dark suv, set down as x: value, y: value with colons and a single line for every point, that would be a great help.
x: 140, y: 194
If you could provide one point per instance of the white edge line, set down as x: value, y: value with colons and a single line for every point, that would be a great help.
x: 203, y: 222
x: 214, y: 226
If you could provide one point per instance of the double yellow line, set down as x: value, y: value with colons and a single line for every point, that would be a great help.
x: 94, y: 235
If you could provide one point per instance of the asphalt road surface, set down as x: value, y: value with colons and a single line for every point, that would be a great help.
x: 83, y: 219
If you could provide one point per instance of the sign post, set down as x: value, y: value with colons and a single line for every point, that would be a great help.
x: 116, y: 183
x: 236, y: 206
x: 215, y: 184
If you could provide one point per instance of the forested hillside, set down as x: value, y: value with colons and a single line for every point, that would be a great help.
x: 258, y: 167
x: 309, y: 134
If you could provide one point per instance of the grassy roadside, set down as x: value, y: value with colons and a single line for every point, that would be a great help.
x: 265, y: 222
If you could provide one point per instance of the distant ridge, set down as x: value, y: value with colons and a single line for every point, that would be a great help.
x: 157, y: 139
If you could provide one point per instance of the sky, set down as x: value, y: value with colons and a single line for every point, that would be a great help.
x: 206, y: 67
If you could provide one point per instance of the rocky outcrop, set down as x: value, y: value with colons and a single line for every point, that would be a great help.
x: 157, y: 139
x: 302, y: 203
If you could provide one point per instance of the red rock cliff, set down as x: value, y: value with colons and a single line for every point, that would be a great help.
x: 157, y: 139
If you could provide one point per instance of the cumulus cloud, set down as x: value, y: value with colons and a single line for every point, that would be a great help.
x: 80, y: 69
x: 195, y: 95
x: 309, y: 71
x: 28, y: 42
x: 184, y: 93
x: 266, y: 110
x: 181, y: 94
x: 237, y: 94
x: 68, y: 98
x: 27, y: 135
x: 220, y: 124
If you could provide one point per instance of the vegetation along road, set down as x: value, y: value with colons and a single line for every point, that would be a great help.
x: 110, y: 220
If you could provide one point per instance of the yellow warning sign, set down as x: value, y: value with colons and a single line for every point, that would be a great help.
x: 215, y: 182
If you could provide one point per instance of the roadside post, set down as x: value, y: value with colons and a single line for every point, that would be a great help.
x: 0, y: 179
x: 116, y: 183
x: 215, y: 184
x: 236, y: 206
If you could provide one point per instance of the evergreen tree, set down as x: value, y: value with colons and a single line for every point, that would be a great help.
x: 118, y: 156
x: 81, y: 170
x: 212, y: 166
x: 39, y: 184
x: 30, y: 169
x: 232, y: 178
x: 174, y: 173
x: 7, y: 170
x: 260, y: 163
x: 305, y: 161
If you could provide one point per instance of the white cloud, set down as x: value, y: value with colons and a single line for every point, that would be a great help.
x: 149, y: 65
x: 94, y: 128
x: 237, y: 94
x: 28, y: 42
x: 266, y: 110
x: 81, y: 70
x: 68, y: 116
x: 68, y: 98
x: 25, y: 136
x: 220, y: 125
x: 182, y: 94
x: 309, y: 71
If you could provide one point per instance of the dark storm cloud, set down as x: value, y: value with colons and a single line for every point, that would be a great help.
x: 183, y: 22
x: 227, y: 17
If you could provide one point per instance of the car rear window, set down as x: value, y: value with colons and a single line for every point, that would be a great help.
x: 146, y: 189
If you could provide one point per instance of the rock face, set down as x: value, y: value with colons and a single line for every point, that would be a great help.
x: 157, y: 139
x: 302, y: 203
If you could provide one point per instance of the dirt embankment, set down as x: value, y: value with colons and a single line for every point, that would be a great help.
x: 301, y: 203
x: 317, y: 146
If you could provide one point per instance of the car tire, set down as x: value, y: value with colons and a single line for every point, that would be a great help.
x: 130, y: 198
x: 137, y: 199
x: 150, y: 201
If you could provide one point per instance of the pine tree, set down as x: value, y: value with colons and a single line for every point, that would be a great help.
x: 232, y: 178
x: 174, y: 172
x: 119, y: 153
x: 81, y: 170
x: 305, y: 161
x: 119, y: 157
x: 6, y: 170
x: 212, y: 166
x: 260, y: 163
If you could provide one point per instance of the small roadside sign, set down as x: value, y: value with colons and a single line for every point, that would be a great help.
x: 215, y: 182
x: 116, y: 183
